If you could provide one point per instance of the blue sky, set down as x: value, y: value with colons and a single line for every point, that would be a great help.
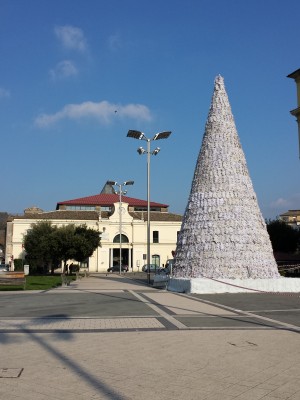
x: 75, y: 76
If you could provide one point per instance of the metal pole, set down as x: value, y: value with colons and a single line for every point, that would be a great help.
x: 148, y: 211
x: 141, y: 136
x: 120, y: 210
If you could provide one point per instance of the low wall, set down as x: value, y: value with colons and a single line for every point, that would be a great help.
x: 206, y: 285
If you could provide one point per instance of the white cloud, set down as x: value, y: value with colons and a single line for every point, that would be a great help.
x: 71, y: 37
x: 281, y: 202
x: 103, y: 111
x: 63, y: 69
x: 4, y: 93
x: 114, y: 42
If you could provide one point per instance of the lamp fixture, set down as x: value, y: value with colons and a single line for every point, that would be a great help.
x: 156, y: 151
x: 141, y: 151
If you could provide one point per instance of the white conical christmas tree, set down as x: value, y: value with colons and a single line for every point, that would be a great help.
x: 223, y: 233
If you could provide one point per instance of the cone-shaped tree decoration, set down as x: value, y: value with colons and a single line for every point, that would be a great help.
x: 223, y: 233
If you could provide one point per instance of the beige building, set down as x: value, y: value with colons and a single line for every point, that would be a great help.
x: 291, y: 217
x: 102, y: 213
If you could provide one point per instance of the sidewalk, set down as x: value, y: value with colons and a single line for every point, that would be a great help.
x: 143, y: 344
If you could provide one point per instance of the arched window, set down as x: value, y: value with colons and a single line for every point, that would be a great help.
x: 124, y: 239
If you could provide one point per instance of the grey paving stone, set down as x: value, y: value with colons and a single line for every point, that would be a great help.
x: 132, y: 363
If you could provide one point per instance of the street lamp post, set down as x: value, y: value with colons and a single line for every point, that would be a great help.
x: 141, y: 136
x: 120, y: 192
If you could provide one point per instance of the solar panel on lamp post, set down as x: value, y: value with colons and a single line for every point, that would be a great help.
x: 120, y: 193
x: 141, y: 136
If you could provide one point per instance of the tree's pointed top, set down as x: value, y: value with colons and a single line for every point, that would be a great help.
x: 220, y: 110
x: 219, y: 85
x: 219, y: 81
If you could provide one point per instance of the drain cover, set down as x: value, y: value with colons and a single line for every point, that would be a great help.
x: 10, y: 372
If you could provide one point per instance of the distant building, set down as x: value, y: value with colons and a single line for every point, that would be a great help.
x: 102, y: 213
x: 291, y: 217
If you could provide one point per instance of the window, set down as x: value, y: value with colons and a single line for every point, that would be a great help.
x: 156, y: 260
x: 80, y: 208
x: 155, y: 237
x: 140, y: 208
x: 105, y: 208
x: 124, y: 239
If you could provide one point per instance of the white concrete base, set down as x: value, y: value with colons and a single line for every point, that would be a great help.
x: 160, y: 280
x: 206, y: 285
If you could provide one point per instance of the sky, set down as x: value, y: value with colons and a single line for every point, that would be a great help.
x: 75, y: 76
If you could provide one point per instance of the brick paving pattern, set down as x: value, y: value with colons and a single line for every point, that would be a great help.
x: 147, y: 357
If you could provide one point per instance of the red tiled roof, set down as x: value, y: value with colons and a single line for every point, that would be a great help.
x: 106, y: 200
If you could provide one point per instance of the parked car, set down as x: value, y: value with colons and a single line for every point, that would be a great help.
x: 4, y: 267
x: 150, y: 268
x: 116, y: 268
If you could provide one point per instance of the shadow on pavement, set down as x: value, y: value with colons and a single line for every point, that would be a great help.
x: 77, y: 369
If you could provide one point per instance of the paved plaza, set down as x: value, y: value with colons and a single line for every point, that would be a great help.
x: 113, y: 337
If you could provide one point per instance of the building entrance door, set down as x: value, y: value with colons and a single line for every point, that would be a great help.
x: 124, y: 256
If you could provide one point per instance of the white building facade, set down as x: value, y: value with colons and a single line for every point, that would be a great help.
x: 132, y: 226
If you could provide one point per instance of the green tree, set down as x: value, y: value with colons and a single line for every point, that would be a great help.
x: 65, y: 243
x: 87, y: 241
x: 38, y: 243
x: 48, y: 246
x: 283, y: 237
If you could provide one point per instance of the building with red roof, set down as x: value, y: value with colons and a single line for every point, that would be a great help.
x: 115, y: 222
x: 105, y: 200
